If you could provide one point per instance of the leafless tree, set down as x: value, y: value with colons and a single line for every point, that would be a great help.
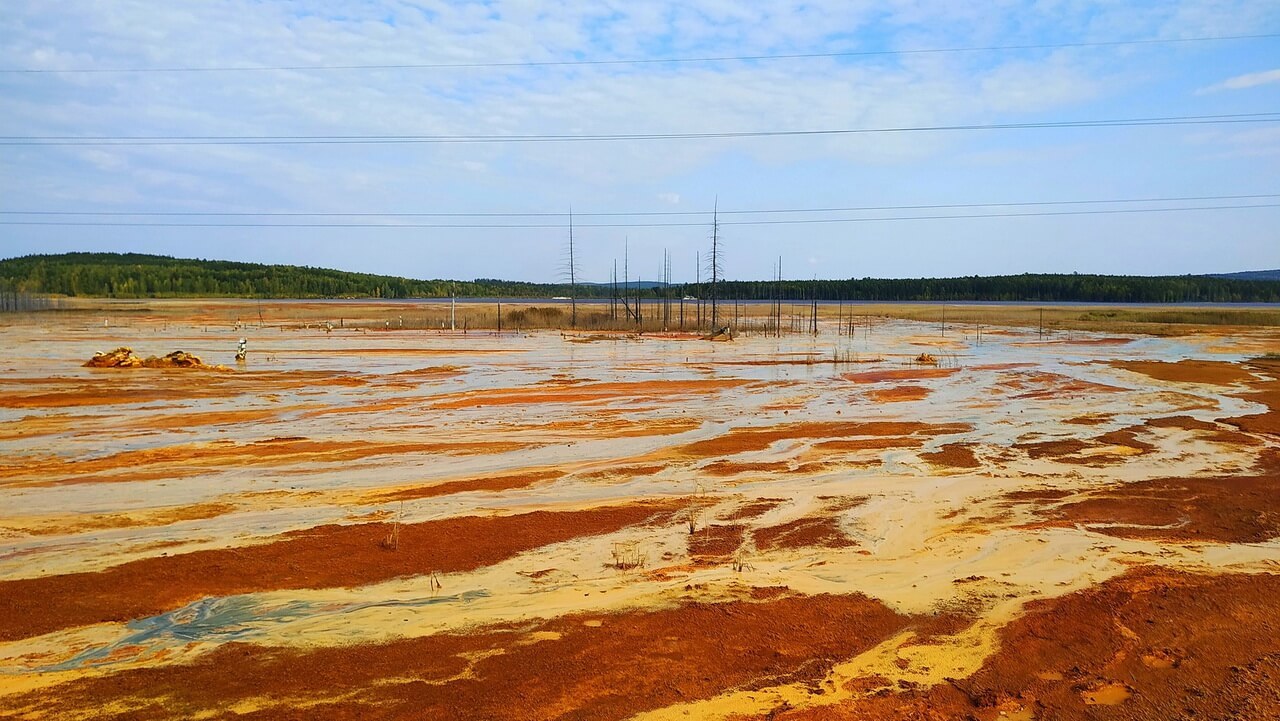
x: 714, y: 268
x: 571, y: 272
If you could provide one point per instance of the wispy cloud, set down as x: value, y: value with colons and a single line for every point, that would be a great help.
x: 814, y: 93
x: 1241, y: 82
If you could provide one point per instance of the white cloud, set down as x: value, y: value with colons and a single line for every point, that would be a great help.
x: 874, y: 91
x: 1241, y: 82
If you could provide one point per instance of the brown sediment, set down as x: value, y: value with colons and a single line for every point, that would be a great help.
x: 953, y: 455
x: 445, y: 371
x: 904, y: 374
x: 1186, y: 423
x: 295, y: 352
x: 82, y: 522
x: 195, y: 419
x: 1090, y: 420
x: 1232, y: 509
x: 320, y: 557
x: 899, y: 393
x: 754, y: 509
x: 585, y: 666
x: 44, y: 425
x: 173, y: 385
x: 1158, y: 643
x: 1077, y: 341
x: 1268, y: 394
x: 731, y: 468
x: 869, y: 444
x: 189, y: 456
x: 1188, y: 371
x: 717, y: 541
x: 1043, y: 385
x: 739, y: 440
x: 585, y: 393
x: 632, y: 471
x: 808, y: 532
x: 1126, y: 437
x: 1052, y: 449
x: 623, y: 427
x: 492, y: 484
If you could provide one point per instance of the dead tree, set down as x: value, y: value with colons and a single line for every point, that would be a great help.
x: 714, y: 265
x: 571, y: 271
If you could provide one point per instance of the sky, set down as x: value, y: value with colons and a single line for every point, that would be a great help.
x: 249, y: 69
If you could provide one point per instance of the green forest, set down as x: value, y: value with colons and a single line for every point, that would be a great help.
x: 129, y: 275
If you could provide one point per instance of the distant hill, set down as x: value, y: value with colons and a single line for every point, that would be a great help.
x: 1250, y: 275
x: 132, y: 275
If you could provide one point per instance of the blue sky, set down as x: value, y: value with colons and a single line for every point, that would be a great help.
x: 893, y: 90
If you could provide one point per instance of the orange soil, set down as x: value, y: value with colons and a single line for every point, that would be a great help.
x: 1090, y: 420
x: 1268, y: 394
x: 189, y: 456
x: 953, y: 455
x: 506, y: 482
x: 594, y: 667
x: 905, y: 374
x: 1188, y: 371
x: 811, y: 532
x: 43, y: 425
x: 293, y: 352
x: 1177, y: 646
x: 1078, y: 341
x: 716, y: 541
x: 622, y: 428
x: 1186, y: 423
x: 80, y: 522
x: 730, y: 468
x: 740, y: 440
x: 623, y: 472
x: 1052, y: 449
x: 321, y: 557
x: 147, y: 386
x: 899, y: 393
x: 869, y: 444
x: 1066, y: 451
x: 758, y: 507
x: 585, y: 393
x: 1041, y: 385
x: 1234, y: 509
x: 195, y: 419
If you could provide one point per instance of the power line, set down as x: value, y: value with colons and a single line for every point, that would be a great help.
x: 794, y: 221
x: 637, y: 61
x: 616, y: 214
x: 107, y: 140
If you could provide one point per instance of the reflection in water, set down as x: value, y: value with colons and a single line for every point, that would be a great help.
x: 231, y: 618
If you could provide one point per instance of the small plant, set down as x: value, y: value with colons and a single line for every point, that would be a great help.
x: 392, y: 541
x: 692, y: 518
x: 627, y: 555
x: 741, y: 564
x: 434, y: 581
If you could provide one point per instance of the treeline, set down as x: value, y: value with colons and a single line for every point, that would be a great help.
x: 128, y: 275
x: 1027, y: 287
x: 135, y: 275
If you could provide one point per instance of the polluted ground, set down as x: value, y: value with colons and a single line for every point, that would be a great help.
x: 890, y: 518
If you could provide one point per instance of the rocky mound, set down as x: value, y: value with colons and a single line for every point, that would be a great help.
x: 124, y: 357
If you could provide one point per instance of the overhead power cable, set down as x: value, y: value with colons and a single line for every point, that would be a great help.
x: 106, y: 140
x: 638, y: 61
x: 789, y: 221
x: 642, y: 213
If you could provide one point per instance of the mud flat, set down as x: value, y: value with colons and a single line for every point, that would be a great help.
x: 365, y: 521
